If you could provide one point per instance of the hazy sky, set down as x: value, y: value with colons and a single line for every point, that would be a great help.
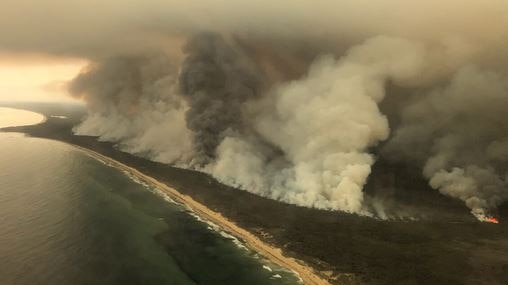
x: 36, y: 78
x: 94, y: 29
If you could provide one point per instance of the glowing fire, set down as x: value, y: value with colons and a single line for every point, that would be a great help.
x: 491, y: 220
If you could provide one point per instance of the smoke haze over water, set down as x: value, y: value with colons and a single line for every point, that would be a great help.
x: 283, y: 100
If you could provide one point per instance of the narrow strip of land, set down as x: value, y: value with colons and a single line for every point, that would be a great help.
x: 273, y: 254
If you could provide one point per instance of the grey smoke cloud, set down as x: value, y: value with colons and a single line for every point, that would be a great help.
x: 216, y: 79
x: 133, y: 100
x: 95, y: 28
x: 459, y: 132
x: 324, y: 124
x: 282, y: 100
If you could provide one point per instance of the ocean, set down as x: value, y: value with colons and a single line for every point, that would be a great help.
x: 67, y: 218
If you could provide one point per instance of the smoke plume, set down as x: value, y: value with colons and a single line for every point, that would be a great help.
x: 322, y: 125
x: 133, y: 101
x: 284, y: 100
x: 460, y: 135
x: 215, y: 79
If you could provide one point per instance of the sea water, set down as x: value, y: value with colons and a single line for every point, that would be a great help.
x: 67, y: 218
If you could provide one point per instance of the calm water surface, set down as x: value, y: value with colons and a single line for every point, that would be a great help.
x: 66, y: 218
x: 14, y: 117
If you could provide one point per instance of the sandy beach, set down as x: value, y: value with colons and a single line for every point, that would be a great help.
x: 275, y: 255
x: 334, y: 246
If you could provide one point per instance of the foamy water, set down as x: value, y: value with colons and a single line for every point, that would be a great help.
x: 13, y: 117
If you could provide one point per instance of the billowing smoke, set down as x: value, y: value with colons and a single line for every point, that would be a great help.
x: 284, y: 100
x: 459, y: 134
x: 216, y: 80
x: 307, y: 141
x: 132, y: 100
x: 323, y: 126
x: 304, y: 141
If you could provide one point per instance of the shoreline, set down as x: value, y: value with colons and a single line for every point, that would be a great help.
x: 43, y: 120
x: 338, y: 247
x: 273, y: 254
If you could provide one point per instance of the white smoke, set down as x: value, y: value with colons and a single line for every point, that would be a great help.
x: 459, y: 134
x: 309, y: 141
x: 154, y: 132
x: 283, y: 99
x: 324, y: 125
x: 133, y: 101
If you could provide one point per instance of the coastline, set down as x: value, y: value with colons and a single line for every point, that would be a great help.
x: 43, y: 119
x: 336, y: 246
x: 273, y: 254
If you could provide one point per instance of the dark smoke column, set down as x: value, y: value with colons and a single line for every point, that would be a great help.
x: 216, y: 78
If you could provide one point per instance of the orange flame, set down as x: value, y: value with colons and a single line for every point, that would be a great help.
x: 491, y: 220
